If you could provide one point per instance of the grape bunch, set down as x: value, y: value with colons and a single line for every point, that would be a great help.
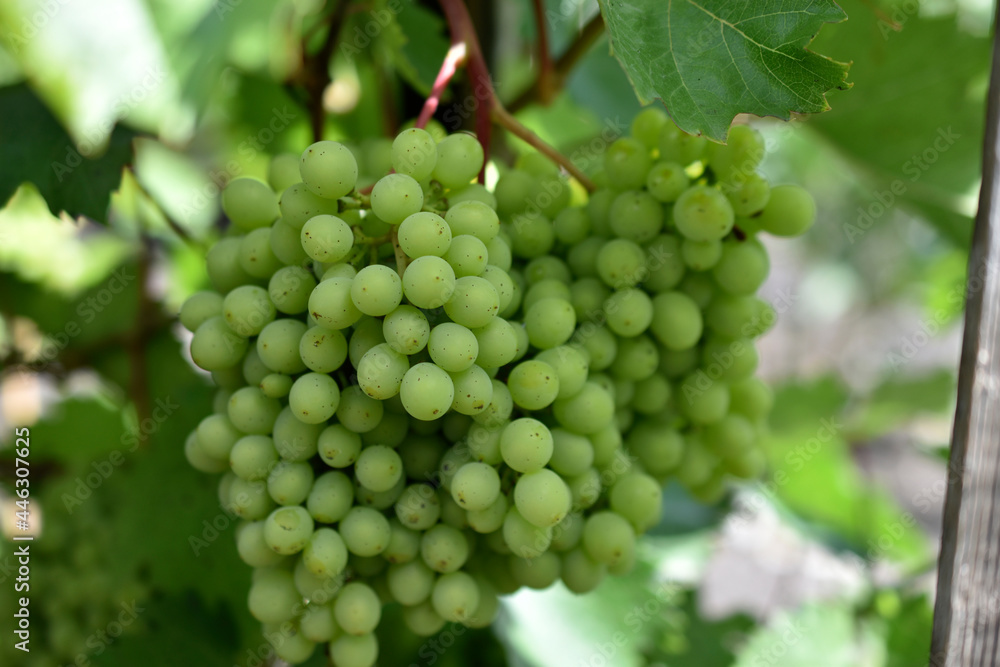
x: 432, y: 394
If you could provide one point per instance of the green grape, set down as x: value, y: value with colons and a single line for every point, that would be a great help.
x: 629, y: 312
x: 571, y: 367
x: 502, y: 283
x: 567, y: 534
x: 455, y: 597
x: 410, y: 583
x: 379, y: 500
x: 253, y: 412
x: 580, y: 573
x: 418, y: 508
x: 531, y: 235
x: 199, y: 307
x: 314, y: 398
x: 358, y: 412
x: 444, y: 548
x: 378, y: 468
x: 367, y: 334
x: 453, y: 347
x: 298, y: 205
x: 289, y: 289
x: 422, y: 620
x: 731, y: 316
x: 223, y: 263
x: 647, y: 126
x: 252, y: 548
x: 542, y: 498
x: 545, y: 289
x: 741, y: 155
x: 608, y: 537
x: 637, y: 359
x: 366, y: 531
x: 475, y: 486
x: 652, y: 395
x: 252, y: 456
x: 328, y: 169
x: 376, y: 290
x: 742, y: 267
x: 404, y: 544
x: 664, y: 263
x: 429, y: 282
x: 729, y: 359
x: 283, y: 171
x: 680, y: 147
x: 249, y: 203
x: 277, y: 346
x: 702, y: 399
x: 331, y: 305
x: 406, y: 329
x: 473, y: 391
x: 600, y: 345
x: 473, y: 218
x: 357, y: 609
x: 414, y: 153
x: 626, y: 163
x: 472, y: 192
x: 484, y: 443
x: 499, y: 253
x: 317, y: 623
x: 248, y: 309
x: 351, y: 651
x: 424, y: 233
x: 217, y: 435
x: 273, y: 597
x: 325, y: 555
x: 215, y: 346
x: 286, y: 244
x: 607, y: 442
x: 378, y: 155
x: 198, y: 459
x: 550, y: 322
x: 636, y: 215
x: 533, y: 385
x: 256, y: 256
x: 526, y: 445
x: 322, y: 350
x: 547, y: 268
x: 588, y: 411
x: 659, y: 449
x: 513, y: 192
x: 701, y: 255
x: 587, y: 296
x: 749, y: 196
x: 294, y: 439
x: 338, y: 446
x: 700, y: 287
x: 331, y: 496
x: 585, y: 488
x: 666, y: 181
x: 638, y: 498
x: 452, y: 460
x: 459, y: 159
x: 572, y: 225
x: 249, y: 500
x: 677, y: 322
x: 572, y: 453
x: 381, y: 371
x: 730, y: 437
x: 289, y: 482
x: 703, y: 213
x: 751, y: 398
x: 523, y: 538
x: 427, y: 391
x: 467, y: 255
x: 474, y: 302
x: 421, y: 454
x: 288, y: 529
x: 582, y: 257
x: 537, y: 573
x: 327, y: 238
x: 338, y: 270
x: 395, y: 197
x: 491, y: 518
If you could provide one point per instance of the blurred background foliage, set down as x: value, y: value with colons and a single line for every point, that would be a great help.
x: 120, y: 120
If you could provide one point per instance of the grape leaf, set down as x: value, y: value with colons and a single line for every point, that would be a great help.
x: 414, y: 39
x: 709, y: 60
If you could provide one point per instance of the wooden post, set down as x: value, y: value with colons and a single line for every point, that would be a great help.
x: 967, y: 610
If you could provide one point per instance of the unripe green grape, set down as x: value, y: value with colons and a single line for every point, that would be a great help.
x: 424, y: 233
x: 252, y: 548
x: 328, y: 169
x: 666, y: 181
x: 751, y: 398
x: 547, y: 268
x: 467, y: 255
x: 421, y: 454
x: 253, y: 412
x: 256, y: 256
x: 741, y: 155
x: 621, y: 263
x: 414, y: 153
x: 198, y: 459
x: 294, y: 439
x: 378, y: 468
x: 742, y: 267
x: 249, y: 203
x: 542, y: 498
x: 215, y: 346
x: 325, y: 555
x: 731, y: 437
x: 366, y: 335
x: 626, y: 163
x: 249, y: 500
x: 395, y: 197
x: 635, y: 215
x: 533, y: 385
x: 381, y: 371
x: 252, y: 456
x: 545, y: 289
x: 647, y: 125
x: 571, y: 366
x: 404, y: 543
x: 248, y: 309
x: 639, y: 498
x: 585, y: 488
x: 277, y: 346
x: 502, y: 283
x: 679, y: 146
x: 331, y: 306
x: 499, y: 253
x: 459, y: 160
x: 652, y: 395
x: 474, y: 302
x: 537, y: 573
x: 513, y: 192
x: 450, y: 463
x: 729, y: 359
x: 526, y: 445
x: 637, y: 359
x: 453, y: 347
x: 531, y: 235
x: 217, y: 435
x: 701, y: 255
x: 376, y: 290
x: 199, y: 307
x: 658, y: 449
x: 473, y: 391
x: 327, y: 238
x: 286, y: 244
x: 698, y: 464
x: 600, y: 345
x: 491, y: 518
x: 223, y: 263
x: 357, y: 609
x: 587, y: 296
x: 475, y: 486
x: 523, y: 538
x: 366, y: 531
x: 607, y: 442
x: 702, y: 399
x: 429, y: 282
x: 455, y: 597
x: 418, y: 508
x: 331, y: 497
x: 322, y: 350
x: 703, y: 213
x: 288, y: 529
x: 499, y: 409
x: 550, y: 322
x: 473, y: 218
x: 582, y: 257
x: 273, y: 597
x: 289, y: 482
x: 410, y: 583
x: 664, y: 263
x: 314, y: 398
x: 289, y: 289
x: 283, y: 171
x: 588, y: 411
x: 444, y: 549
x: 629, y: 312
x: 379, y: 500
x: 473, y: 192
x: 338, y: 447
x: 338, y: 270
x: 572, y: 225
x: 298, y: 205
x: 572, y: 453
x: 608, y: 538
x: 749, y: 195
x: 427, y: 391
x: 357, y: 411
x: 677, y: 322
x: 354, y: 651
x: 731, y: 316
x: 580, y: 573
x: 317, y: 623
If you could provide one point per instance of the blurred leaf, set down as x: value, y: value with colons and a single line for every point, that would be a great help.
x: 916, y: 119
x: 913, y: 620
x: 946, y: 280
x: 98, y: 419
x: 901, y: 399
x: 56, y: 253
x: 41, y: 152
x: 686, y: 639
x: 597, y: 84
x: 414, y: 40
x: 800, y: 406
x: 815, y: 635
x: 709, y: 62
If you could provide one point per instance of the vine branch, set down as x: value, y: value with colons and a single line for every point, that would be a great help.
x: 454, y: 57
x: 545, y: 67
x: 507, y: 121
x: 315, y: 71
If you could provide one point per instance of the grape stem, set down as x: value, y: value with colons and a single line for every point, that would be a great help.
x: 401, y: 259
x: 546, y: 89
x: 489, y: 109
x: 547, y: 86
x: 455, y: 56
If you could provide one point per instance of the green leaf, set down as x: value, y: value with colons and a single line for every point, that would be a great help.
x: 414, y: 40
x: 913, y: 619
x: 38, y: 149
x: 686, y: 639
x: 813, y: 635
x: 59, y: 434
x: 902, y: 399
x: 916, y: 117
x: 711, y: 60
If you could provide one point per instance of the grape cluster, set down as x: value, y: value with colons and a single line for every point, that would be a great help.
x: 434, y: 394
